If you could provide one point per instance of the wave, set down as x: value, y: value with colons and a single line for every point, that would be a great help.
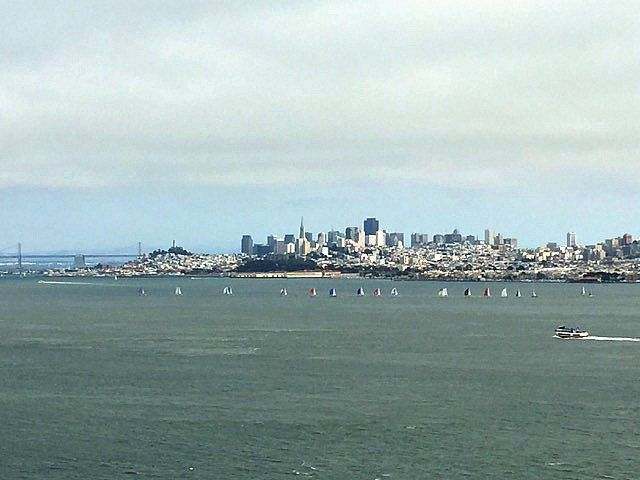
x: 613, y: 339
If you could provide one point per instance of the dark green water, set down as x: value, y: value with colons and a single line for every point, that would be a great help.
x: 96, y: 382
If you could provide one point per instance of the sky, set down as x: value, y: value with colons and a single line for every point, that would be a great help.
x: 152, y: 121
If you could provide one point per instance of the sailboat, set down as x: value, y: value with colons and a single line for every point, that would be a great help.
x: 178, y: 291
x: 283, y: 292
x: 141, y: 292
x: 332, y: 292
x: 590, y: 293
x: 534, y: 294
x: 360, y: 292
x: 394, y: 292
x: 443, y: 292
x: 487, y: 292
x: 376, y: 292
x: 518, y: 294
x: 467, y: 292
x: 504, y: 293
x: 583, y: 293
x: 312, y: 292
x: 227, y: 291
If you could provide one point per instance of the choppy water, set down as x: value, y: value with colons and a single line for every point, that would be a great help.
x: 96, y: 382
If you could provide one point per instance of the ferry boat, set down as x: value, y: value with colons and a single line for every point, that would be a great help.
x: 569, y: 332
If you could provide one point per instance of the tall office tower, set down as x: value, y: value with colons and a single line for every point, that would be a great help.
x: 289, y: 238
x: 247, y: 245
x: 322, y: 239
x: 332, y: 237
x: 454, y: 237
x: 489, y: 236
x: 371, y: 226
x: 571, y: 239
x: 351, y: 233
x: 301, y: 228
x: 419, y: 239
x: 272, y: 242
x: 395, y: 239
x: 438, y: 239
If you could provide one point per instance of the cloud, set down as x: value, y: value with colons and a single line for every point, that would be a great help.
x: 465, y: 94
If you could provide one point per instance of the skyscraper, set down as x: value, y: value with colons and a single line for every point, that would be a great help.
x: 571, y: 239
x: 371, y: 226
x: 272, y: 241
x: 332, y: 237
x: 247, y: 245
x: 351, y: 233
x: 301, y: 228
x: 395, y: 239
x: 419, y: 239
x: 489, y: 236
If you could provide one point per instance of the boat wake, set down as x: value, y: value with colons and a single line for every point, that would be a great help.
x: 613, y: 339
x: 51, y: 282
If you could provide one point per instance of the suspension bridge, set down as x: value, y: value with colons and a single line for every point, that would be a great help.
x: 16, y: 253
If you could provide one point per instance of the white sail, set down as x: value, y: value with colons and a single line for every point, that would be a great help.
x: 518, y: 294
x: 503, y: 293
x: 534, y: 294
x: 178, y: 291
x: 360, y: 292
x: 445, y: 292
x: 394, y: 292
x: 227, y: 291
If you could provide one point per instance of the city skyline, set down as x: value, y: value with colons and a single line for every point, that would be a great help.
x: 234, y: 246
x: 205, y: 122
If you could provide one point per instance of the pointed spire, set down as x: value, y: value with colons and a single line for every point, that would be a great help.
x: 301, y: 227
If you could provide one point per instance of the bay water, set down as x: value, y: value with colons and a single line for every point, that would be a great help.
x: 99, y: 382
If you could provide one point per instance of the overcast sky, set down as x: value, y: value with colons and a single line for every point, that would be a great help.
x: 126, y: 121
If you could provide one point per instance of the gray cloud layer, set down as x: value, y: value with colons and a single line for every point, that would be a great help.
x: 234, y: 93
